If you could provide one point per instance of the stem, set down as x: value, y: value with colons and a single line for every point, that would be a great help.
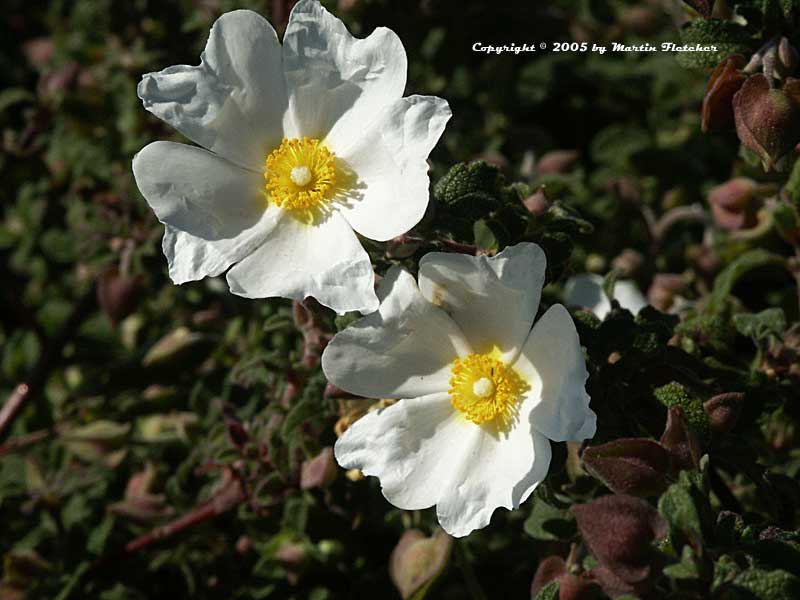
x: 227, y: 498
x: 28, y: 439
x: 13, y: 405
x: 440, y: 242
x: 693, y: 212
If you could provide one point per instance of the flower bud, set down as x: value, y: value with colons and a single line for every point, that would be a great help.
x: 733, y: 204
x: 618, y: 531
x: 117, y: 294
x: 627, y: 189
x: 614, y: 586
x: 100, y: 441
x: 636, y: 466
x: 723, y: 411
x: 578, y: 587
x: 39, y: 51
x: 767, y: 119
x: 570, y: 587
x: 679, y: 440
x: 703, y: 7
x: 787, y: 57
x: 537, y: 203
x: 703, y: 259
x: 55, y: 82
x: 318, y: 472
x: 550, y: 569
x: 173, y: 347
x: 664, y: 289
x: 725, y: 81
x: 237, y: 431
x: 628, y: 262
x: 400, y: 248
x: 417, y: 560
x: 292, y: 557
x: 556, y: 161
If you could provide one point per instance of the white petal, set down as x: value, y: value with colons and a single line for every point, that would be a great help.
x: 629, y: 297
x: 234, y: 103
x: 406, y: 349
x: 191, y: 258
x: 497, y: 471
x: 553, y: 365
x: 390, y: 168
x: 494, y: 300
x: 324, y: 260
x: 413, y: 447
x: 338, y: 85
x: 424, y: 453
x: 198, y: 192
x: 586, y: 290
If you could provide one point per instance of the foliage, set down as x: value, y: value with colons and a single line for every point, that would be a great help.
x: 175, y: 441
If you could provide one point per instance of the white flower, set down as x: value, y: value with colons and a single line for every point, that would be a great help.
x: 303, y: 145
x: 480, y: 392
x: 586, y: 290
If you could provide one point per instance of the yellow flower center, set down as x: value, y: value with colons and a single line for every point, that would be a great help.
x: 300, y: 174
x: 485, y: 389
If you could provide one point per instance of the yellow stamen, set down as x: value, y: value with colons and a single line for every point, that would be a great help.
x: 300, y: 174
x: 485, y: 389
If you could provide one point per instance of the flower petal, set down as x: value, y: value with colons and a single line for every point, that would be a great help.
x: 391, y: 170
x: 553, y: 364
x: 494, y: 300
x: 234, y: 103
x: 339, y: 85
x: 586, y: 290
x: 404, y: 350
x: 412, y: 446
x: 629, y: 297
x: 324, y: 260
x: 198, y: 192
x: 497, y: 471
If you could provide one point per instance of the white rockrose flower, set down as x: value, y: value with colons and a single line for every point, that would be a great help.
x: 304, y: 145
x: 480, y: 392
x: 586, y: 290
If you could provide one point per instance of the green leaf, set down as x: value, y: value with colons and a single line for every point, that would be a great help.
x: 306, y: 408
x: 761, y: 326
x: 295, y: 514
x: 549, y: 592
x: 786, y: 218
x: 792, y: 186
x: 767, y: 585
x: 96, y: 543
x: 749, y: 261
x: 547, y: 521
x: 12, y: 96
x: 728, y: 38
x: 687, y: 568
x: 678, y: 509
x: 484, y: 236
x: 685, y: 507
x: 674, y: 394
x: 465, y: 184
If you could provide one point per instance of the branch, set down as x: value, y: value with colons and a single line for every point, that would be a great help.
x: 28, y: 439
x: 13, y: 405
x: 229, y: 497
